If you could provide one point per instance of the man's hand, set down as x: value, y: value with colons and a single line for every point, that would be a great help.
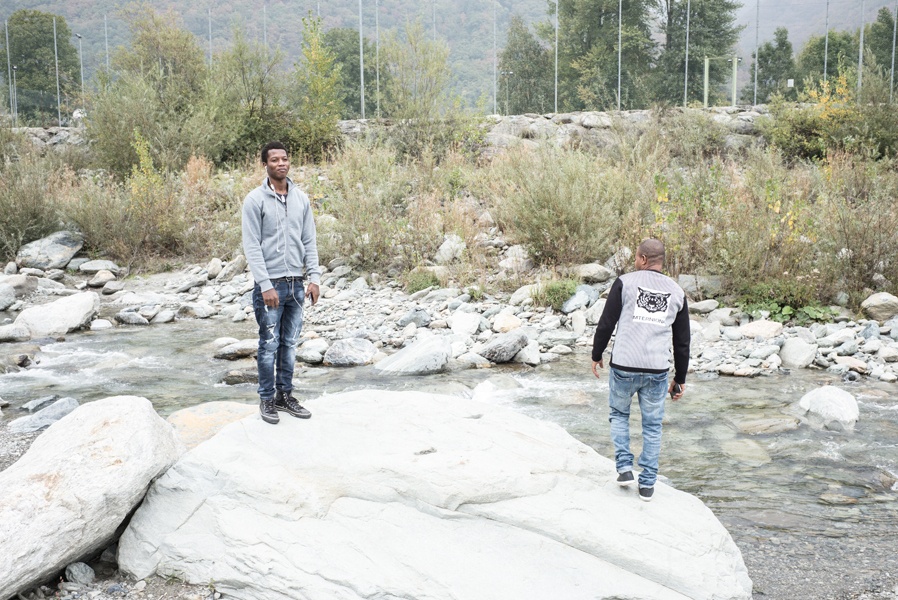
x: 270, y: 298
x: 313, y: 291
x: 679, y: 395
x: 600, y: 364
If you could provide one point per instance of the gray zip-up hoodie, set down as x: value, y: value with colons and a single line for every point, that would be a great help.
x: 279, y: 237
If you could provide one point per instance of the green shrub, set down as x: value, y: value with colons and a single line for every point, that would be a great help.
x: 28, y: 209
x: 420, y: 279
x: 554, y: 293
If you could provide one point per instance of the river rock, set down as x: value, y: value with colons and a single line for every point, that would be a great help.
x: 60, y: 316
x: 397, y: 495
x: 704, y: 307
x: 196, y: 310
x: 350, y: 352
x: 101, y: 278
x: 237, y: 350
x: 44, y: 417
x: 523, y: 293
x: 888, y: 354
x: 100, y: 325
x: 881, y: 306
x: 163, y: 316
x: 594, y: 312
x: 797, y: 353
x: 593, y: 273
x: 451, y: 250
x: 529, y: 354
x: 214, y: 268
x: 505, y: 322
x: 92, y: 267
x: 761, y: 328
x: 197, y: 424
x: 464, y: 323
x: 232, y: 269
x: 37, y: 404
x: 853, y: 364
x: 418, y: 316
x: 52, y: 252
x: 767, y: 425
x: 424, y: 357
x: 14, y: 332
x: 724, y: 316
x: 7, y: 296
x: 113, y: 287
x: 194, y: 281
x: 312, y: 351
x: 22, y: 284
x: 830, y: 407
x: 554, y: 337
x: 79, y: 573
x: 516, y: 260
x: 503, y: 347
x: 580, y: 299
x: 702, y: 286
x: 131, y: 317
x: 83, y: 476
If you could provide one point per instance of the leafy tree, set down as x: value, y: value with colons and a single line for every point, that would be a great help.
x: 343, y: 43
x: 525, y: 79
x: 878, y: 38
x: 320, y: 104
x: 809, y: 64
x: 588, y: 51
x: 31, y: 51
x: 712, y: 32
x: 775, y: 67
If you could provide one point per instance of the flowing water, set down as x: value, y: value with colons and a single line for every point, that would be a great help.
x: 814, y: 512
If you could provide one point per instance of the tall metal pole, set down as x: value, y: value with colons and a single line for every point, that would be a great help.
x: 620, y: 29
x: 495, y: 58
x: 210, y: 37
x: 8, y: 68
x: 81, y: 60
x: 56, y: 57
x: 860, y: 52
x: 433, y: 16
x: 265, y: 26
x: 894, y: 37
x: 556, y: 55
x: 15, y: 99
x: 361, y: 61
x: 686, y: 69
x: 106, y: 36
x: 735, y: 73
x: 757, y: 55
x: 707, y: 77
x: 377, y: 52
x: 826, y: 43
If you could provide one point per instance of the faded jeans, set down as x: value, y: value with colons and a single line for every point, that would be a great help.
x: 651, y: 389
x: 278, y: 333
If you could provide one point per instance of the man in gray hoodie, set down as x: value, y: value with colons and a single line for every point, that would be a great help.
x: 280, y: 247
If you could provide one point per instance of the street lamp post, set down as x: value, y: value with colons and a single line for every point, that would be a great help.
x: 81, y: 60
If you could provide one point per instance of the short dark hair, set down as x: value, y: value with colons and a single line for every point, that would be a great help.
x: 653, y: 251
x: 275, y: 145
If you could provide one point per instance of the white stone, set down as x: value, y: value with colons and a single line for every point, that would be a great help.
x: 517, y: 260
x: 426, y: 356
x: 797, y: 353
x: 524, y: 292
x: 881, y: 306
x: 505, y: 322
x: 464, y: 323
x: 828, y: 406
x: 14, y: 332
x: 390, y: 494
x: 578, y: 322
x: 529, y: 355
x: 762, y: 329
x: 60, y: 316
x: 594, y: 312
x: 350, y: 352
x: 593, y: 273
x: 95, y: 266
x: 100, y: 325
x: 703, y: 307
x: 888, y: 354
x: 65, y: 498
x: 241, y: 349
x: 451, y: 250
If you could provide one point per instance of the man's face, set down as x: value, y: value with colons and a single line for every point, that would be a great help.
x: 278, y: 164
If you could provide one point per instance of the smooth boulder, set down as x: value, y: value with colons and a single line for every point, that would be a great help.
x: 797, y: 353
x: 350, y: 352
x: 502, y: 348
x: 424, y: 357
x: 61, y: 316
x: 830, y: 407
x: 881, y: 306
x: 409, y: 495
x: 66, y: 497
x: 44, y: 417
x: 52, y: 252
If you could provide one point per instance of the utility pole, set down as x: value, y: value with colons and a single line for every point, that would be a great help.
x: 826, y: 43
x: 757, y: 56
x: 210, y: 37
x: 860, y: 52
x: 15, y: 99
x: 377, y: 53
x: 265, y: 25
x: 56, y: 57
x: 735, y: 73
x: 620, y: 29
x: 9, y: 69
x: 106, y: 36
x: 495, y: 58
x: 433, y: 16
x: 894, y: 37
x: 361, y: 61
x: 686, y: 69
x: 81, y: 60
x: 556, y: 56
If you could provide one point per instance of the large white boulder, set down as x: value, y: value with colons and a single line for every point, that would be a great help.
x: 881, y: 306
x: 52, y: 252
x: 60, y: 316
x: 409, y: 495
x: 424, y: 357
x: 65, y: 498
x: 761, y: 329
x: 830, y: 407
x: 797, y: 353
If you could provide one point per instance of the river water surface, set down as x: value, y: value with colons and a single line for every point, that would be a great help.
x: 814, y: 512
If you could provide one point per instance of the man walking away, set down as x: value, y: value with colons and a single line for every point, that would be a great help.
x: 651, y: 315
x: 279, y: 244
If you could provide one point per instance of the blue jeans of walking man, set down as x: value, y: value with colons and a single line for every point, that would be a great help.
x: 278, y: 333
x: 651, y: 391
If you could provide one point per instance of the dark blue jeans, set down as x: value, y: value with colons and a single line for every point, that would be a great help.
x: 278, y: 333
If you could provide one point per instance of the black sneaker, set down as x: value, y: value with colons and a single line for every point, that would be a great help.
x: 268, y: 411
x: 625, y: 479
x: 288, y: 404
x: 646, y: 494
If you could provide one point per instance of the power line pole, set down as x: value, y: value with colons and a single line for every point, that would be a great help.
x: 106, y: 36
x: 265, y: 26
x: 556, y: 55
x: 620, y: 29
x: 495, y: 58
x: 433, y: 10
x: 686, y: 69
x: 56, y: 57
x: 9, y: 69
x: 361, y: 61
x: 377, y: 52
x: 860, y: 53
x: 826, y: 43
x: 894, y: 37
x: 210, y: 37
x: 757, y: 55
x: 81, y: 60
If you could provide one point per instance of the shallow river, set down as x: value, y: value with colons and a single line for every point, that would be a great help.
x: 814, y: 512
